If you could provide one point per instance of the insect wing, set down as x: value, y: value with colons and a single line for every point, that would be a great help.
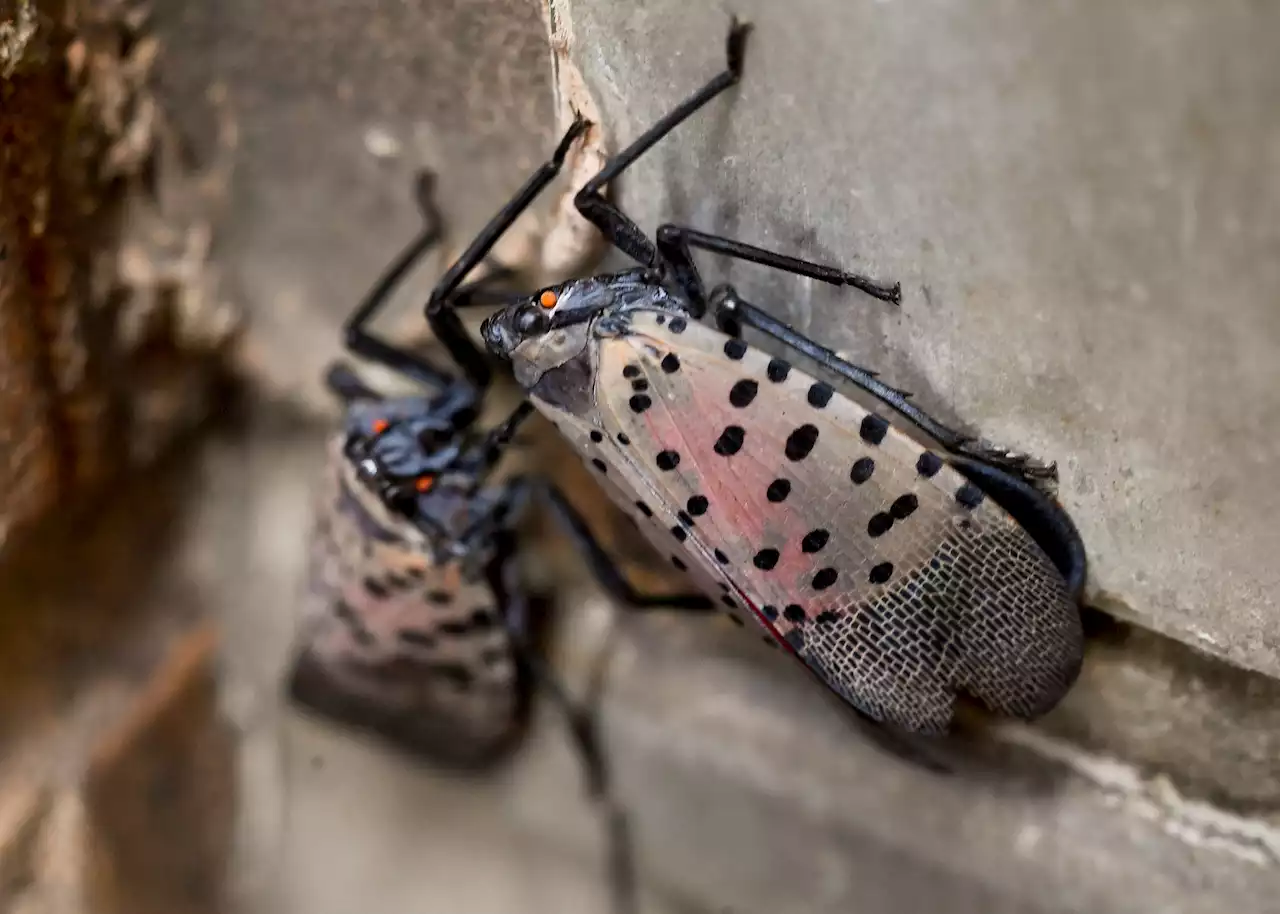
x: 396, y: 642
x: 881, y: 567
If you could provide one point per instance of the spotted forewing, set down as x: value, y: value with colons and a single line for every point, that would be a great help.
x: 397, y: 638
x: 841, y: 537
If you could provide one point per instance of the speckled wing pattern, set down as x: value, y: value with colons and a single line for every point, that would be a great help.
x: 393, y: 641
x: 881, y: 567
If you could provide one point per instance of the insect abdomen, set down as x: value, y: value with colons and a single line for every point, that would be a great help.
x: 398, y: 644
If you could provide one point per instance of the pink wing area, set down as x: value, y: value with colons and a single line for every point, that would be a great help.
x: 390, y: 635
x: 879, y: 565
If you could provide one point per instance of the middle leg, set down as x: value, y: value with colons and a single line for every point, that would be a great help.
x: 675, y: 243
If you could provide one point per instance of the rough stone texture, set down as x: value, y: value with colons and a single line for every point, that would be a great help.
x: 1174, y: 711
x: 1084, y: 224
x: 109, y: 317
x: 339, y: 107
x: 803, y: 814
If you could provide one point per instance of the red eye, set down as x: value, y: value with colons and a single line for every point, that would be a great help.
x: 379, y: 426
x: 548, y: 299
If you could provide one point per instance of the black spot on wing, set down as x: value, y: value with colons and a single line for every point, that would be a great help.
x: 801, y: 441
x: 778, y: 370
x: 742, y: 393
x: 904, y: 506
x: 825, y: 578
x: 862, y: 469
x: 814, y: 540
x: 668, y: 460
x: 873, y: 429
x: 765, y: 559
x: 639, y: 403
x: 879, y: 524
x: 881, y: 573
x: 819, y: 394
x: 735, y: 349
x: 969, y: 495
x: 928, y: 464
x: 730, y: 441
x: 416, y: 637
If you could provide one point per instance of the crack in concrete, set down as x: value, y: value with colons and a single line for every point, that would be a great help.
x: 1156, y: 799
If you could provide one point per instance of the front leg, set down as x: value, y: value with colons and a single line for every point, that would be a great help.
x: 441, y: 309
x: 362, y: 342
x: 615, y: 225
x: 675, y: 243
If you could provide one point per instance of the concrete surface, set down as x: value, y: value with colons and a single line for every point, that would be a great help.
x: 1082, y: 206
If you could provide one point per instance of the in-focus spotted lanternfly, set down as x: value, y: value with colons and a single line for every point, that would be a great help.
x: 902, y: 573
x: 417, y: 627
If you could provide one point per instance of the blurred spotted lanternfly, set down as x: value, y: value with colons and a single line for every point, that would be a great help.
x: 416, y: 626
x: 901, y: 573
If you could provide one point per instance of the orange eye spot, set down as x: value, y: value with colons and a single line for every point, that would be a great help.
x: 548, y: 299
x: 380, y: 426
x: 424, y: 484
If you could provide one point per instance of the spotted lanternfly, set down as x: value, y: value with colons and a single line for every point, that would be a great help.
x: 901, y: 573
x: 417, y: 627
x: 409, y: 583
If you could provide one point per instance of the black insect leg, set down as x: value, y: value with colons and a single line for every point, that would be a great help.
x: 583, y: 721
x: 523, y: 489
x: 346, y: 385
x: 607, y: 217
x: 370, y: 347
x: 606, y: 569
x: 675, y: 243
x: 727, y: 305
x: 440, y: 310
x: 730, y: 309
